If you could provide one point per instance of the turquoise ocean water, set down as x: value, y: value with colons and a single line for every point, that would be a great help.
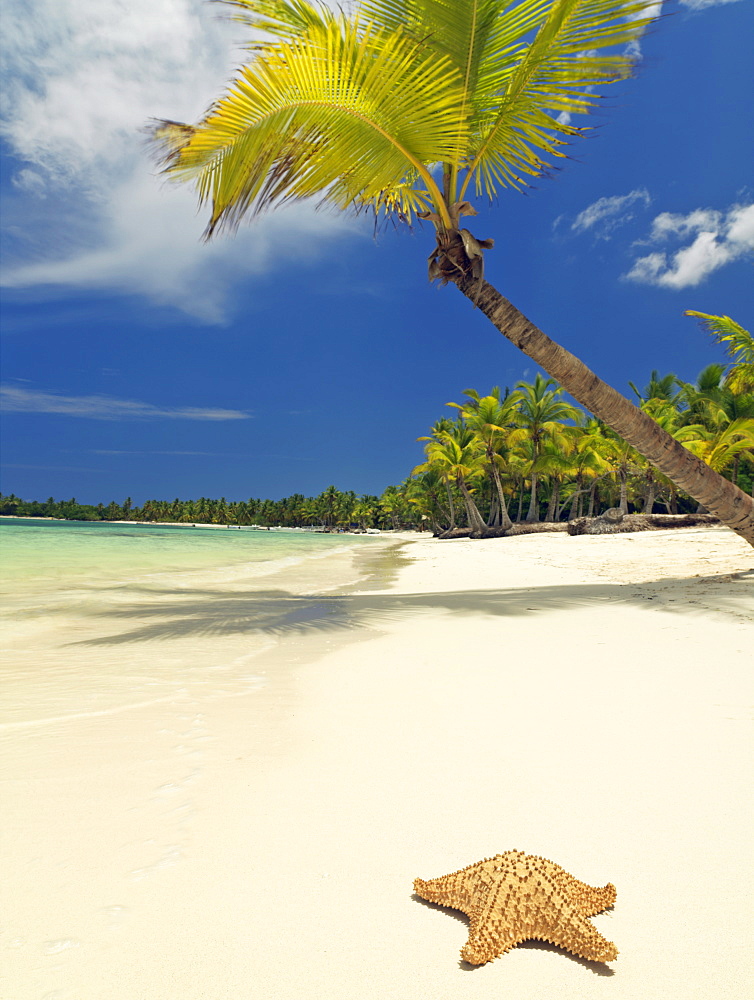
x: 98, y: 617
x: 41, y: 556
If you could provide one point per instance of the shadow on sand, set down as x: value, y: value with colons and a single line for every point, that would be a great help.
x: 598, y: 968
x: 167, y: 615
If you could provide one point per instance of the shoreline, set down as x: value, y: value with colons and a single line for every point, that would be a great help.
x: 200, y: 524
x: 581, y: 698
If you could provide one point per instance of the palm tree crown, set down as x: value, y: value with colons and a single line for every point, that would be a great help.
x: 361, y: 109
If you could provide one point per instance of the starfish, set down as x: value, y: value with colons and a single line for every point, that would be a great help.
x: 514, y: 897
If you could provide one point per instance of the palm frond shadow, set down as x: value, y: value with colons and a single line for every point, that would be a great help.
x: 165, y: 615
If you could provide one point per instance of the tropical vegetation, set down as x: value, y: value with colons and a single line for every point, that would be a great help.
x: 531, y: 452
x: 522, y: 455
x: 409, y: 108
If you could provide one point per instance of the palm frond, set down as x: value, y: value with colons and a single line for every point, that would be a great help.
x: 739, y: 346
x: 546, y: 81
x: 482, y: 38
x: 281, y: 19
x: 351, y: 113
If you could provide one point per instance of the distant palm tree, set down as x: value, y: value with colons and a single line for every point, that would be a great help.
x: 589, y: 461
x: 491, y: 418
x: 410, y: 107
x: 541, y: 414
x: 740, y: 346
x: 723, y: 447
x: 659, y: 387
x: 457, y: 455
x: 425, y: 493
x: 703, y: 398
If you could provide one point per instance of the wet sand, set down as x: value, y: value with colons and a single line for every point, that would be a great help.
x: 253, y: 828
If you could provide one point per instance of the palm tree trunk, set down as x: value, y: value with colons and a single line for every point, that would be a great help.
x: 494, y: 514
x: 576, y: 499
x: 451, y: 506
x: 520, y: 502
x: 552, y: 506
x: 505, y: 521
x: 533, y: 512
x: 476, y: 521
x: 592, y: 499
x: 623, y: 502
x: 649, y: 499
x: 718, y: 495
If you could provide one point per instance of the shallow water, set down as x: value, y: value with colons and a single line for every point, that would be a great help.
x: 97, y: 617
x: 40, y: 554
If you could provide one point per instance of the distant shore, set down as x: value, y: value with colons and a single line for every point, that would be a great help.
x: 581, y: 698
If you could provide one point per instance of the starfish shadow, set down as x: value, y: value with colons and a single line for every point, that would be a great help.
x: 598, y: 968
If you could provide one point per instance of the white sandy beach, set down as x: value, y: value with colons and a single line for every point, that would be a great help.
x: 255, y: 833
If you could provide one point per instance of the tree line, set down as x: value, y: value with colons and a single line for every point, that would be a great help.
x: 331, y: 510
x: 530, y: 455
x: 512, y: 456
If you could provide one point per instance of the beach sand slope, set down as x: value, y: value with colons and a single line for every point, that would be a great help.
x: 584, y: 699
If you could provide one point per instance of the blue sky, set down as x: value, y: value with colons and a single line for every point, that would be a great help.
x: 303, y: 351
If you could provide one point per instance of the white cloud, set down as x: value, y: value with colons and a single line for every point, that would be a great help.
x: 741, y: 225
x: 607, y: 214
x: 633, y: 49
x: 85, y: 208
x: 699, y: 221
x: 702, y: 4
x: 717, y: 239
x: 15, y: 399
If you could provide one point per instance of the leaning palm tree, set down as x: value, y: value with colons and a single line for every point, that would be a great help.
x: 411, y: 107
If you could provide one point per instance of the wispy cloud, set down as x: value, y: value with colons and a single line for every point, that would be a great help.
x: 15, y: 399
x: 717, y: 238
x: 110, y: 451
x: 605, y: 215
x: 633, y: 49
x: 48, y: 468
x: 702, y: 4
x: 84, y: 209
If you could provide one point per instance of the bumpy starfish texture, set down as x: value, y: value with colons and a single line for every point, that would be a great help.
x: 514, y: 897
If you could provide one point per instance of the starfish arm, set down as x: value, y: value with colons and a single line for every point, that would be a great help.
x: 591, y: 899
x: 448, y: 890
x: 578, y: 936
x: 483, y: 946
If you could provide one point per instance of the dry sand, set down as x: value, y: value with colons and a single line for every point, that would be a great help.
x: 586, y: 699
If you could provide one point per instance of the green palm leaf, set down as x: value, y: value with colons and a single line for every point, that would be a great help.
x: 345, y: 111
x: 551, y: 76
x: 279, y: 18
x: 519, y: 87
x: 740, y: 348
x: 360, y: 110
